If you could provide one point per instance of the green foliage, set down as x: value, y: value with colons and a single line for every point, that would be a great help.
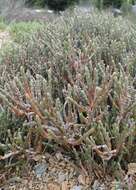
x: 74, y: 83
x: 38, y: 3
x: 114, y: 3
x: 126, y: 8
x: 60, y: 5
x: 2, y: 24
x: 10, y: 128
x: 56, y: 5
x: 23, y: 30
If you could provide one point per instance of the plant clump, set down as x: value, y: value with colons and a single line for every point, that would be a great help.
x: 73, y: 84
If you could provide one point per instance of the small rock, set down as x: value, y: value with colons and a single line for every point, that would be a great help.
x: 116, y: 12
x: 40, y: 169
x: 59, y: 156
x: 99, y: 186
x: 61, y: 177
x: 77, y: 187
x: 15, y: 180
x: 50, y: 11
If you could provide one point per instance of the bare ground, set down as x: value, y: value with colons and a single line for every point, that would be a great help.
x: 4, y: 37
x: 51, y: 172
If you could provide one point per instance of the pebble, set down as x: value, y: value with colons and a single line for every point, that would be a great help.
x: 76, y: 187
x: 40, y: 169
x: 61, y: 177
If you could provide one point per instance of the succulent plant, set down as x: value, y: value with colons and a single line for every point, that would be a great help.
x: 74, y: 83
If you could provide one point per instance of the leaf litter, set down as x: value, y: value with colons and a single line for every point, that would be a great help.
x: 48, y: 172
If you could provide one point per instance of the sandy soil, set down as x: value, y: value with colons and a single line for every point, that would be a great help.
x: 4, y: 37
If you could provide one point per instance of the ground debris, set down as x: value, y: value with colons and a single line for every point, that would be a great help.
x: 4, y: 37
x: 58, y: 172
x: 49, y: 173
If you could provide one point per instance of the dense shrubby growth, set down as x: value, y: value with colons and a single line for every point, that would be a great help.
x: 107, y: 3
x: 53, y: 4
x: 40, y: 3
x: 62, y: 4
x: 73, y: 83
x: 113, y: 3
